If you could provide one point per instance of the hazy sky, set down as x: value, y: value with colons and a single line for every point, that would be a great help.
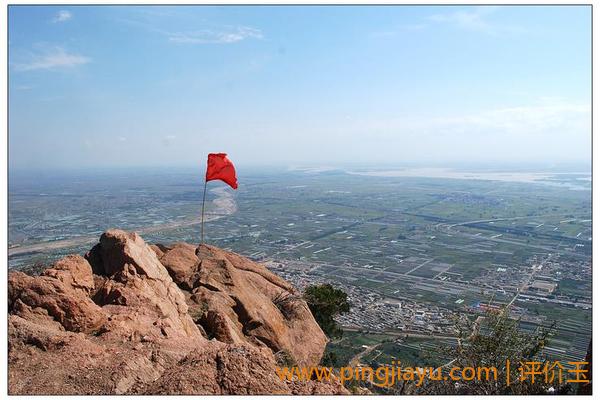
x: 121, y: 86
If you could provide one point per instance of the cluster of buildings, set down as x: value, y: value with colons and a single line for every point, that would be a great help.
x: 371, y: 310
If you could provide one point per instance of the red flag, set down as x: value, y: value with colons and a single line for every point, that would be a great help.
x: 220, y: 167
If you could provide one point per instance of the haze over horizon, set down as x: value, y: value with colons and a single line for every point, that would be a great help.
x: 123, y: 86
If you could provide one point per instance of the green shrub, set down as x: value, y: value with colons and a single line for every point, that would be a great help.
x: 325, y: 302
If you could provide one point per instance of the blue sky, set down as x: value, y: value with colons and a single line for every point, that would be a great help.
x: 158, y: 86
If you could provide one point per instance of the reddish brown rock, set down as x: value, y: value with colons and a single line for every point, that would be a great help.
x: 73, y: 271
x: 118, y: 251
x: 48, y: 296
x: 315, y: 387
x: 221, y: 369
x: 116, y: 323
x: 245, y: 302
x: 140, y: 286
x: 45, y: 361
x: 240, y: 369
x: 177, y: 259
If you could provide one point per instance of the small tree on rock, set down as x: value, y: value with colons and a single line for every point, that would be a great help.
x: 325, y: 302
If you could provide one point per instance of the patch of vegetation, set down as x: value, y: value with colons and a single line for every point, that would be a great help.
x: 490, y: 343
x: 330, y: 359
x: 284, y: 358
x: 197, y: 313
x: 286, y: 303
x: 325, y: 302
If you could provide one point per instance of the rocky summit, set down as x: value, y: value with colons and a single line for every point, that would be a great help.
x: 133, y: 318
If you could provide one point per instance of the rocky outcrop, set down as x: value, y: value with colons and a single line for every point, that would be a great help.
x: 136, y: 319
x: 238, y: 301
x: 227, y: 369
x: 138, y: 284
x: 59, y: 295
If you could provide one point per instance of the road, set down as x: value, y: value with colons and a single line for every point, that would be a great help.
x: 356, y: 359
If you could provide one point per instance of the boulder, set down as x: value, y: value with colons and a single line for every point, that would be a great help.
x: 240, y: 301
x: 48, y: 297
x: 139, y: 285
x: 177, y: 259
x: 73, y: 271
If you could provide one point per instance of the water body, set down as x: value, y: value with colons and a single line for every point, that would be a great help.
x: 569, y: 180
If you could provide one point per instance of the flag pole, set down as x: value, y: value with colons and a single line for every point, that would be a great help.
x: 202, y: 223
